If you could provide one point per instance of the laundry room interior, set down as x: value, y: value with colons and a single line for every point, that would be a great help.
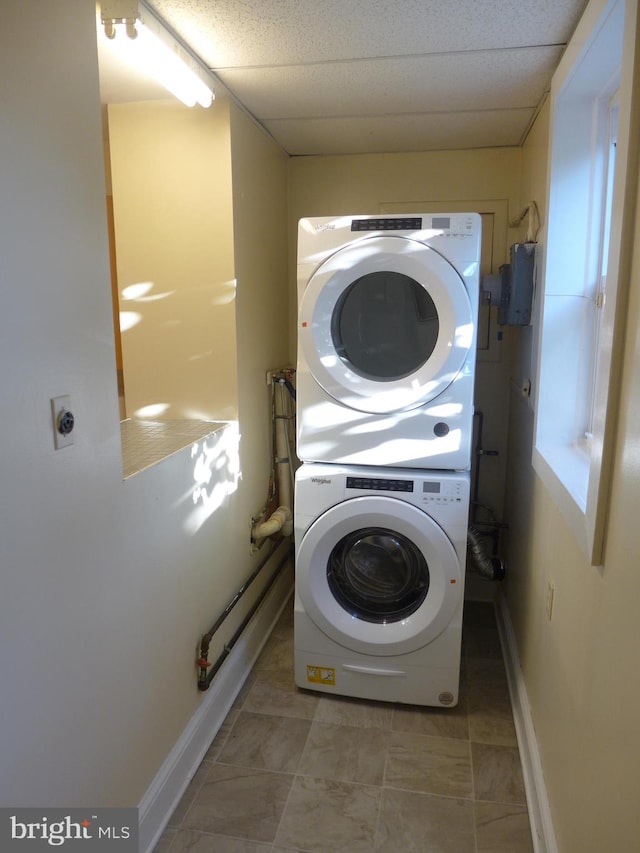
x: 150, y: 258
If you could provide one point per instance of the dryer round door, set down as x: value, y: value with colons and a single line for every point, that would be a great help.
x: 385, y: 324
x: 378, y: 575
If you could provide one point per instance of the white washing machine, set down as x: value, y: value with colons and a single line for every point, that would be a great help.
x: 387, y: 311
x: 380, y: 559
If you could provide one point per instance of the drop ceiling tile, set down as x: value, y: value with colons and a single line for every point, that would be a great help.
x: 497, y: 79
x: 401, y: 133
x: 231, y: 33
x: 340, y: 63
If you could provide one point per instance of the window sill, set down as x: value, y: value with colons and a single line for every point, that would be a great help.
x: 145, y: 443
x: 564, y: 470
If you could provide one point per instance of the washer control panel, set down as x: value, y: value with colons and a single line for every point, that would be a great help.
x: 379, y: 484
x: 442, y: 492
x: 443, y: 495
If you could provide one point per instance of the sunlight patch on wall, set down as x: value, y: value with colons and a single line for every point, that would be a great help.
x: 151, y: 411
x: 140, y: 292
x: 216, y: 472
x: 136, y: 291
x: 129, y: 319
x: 226, y: 292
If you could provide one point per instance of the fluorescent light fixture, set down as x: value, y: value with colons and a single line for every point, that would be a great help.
x: 144, y: 41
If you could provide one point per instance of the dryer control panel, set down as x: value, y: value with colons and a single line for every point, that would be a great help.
x: 445, y: 225
x: 388, y: 223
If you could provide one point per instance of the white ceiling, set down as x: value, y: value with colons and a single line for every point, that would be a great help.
x: 359, y: 76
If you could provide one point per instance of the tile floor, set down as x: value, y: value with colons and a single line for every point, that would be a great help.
x: 292, y: 770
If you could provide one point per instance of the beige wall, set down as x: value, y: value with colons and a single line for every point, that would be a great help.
x: 581, y: 668
x: 262, y: 314
x: 173, y: 215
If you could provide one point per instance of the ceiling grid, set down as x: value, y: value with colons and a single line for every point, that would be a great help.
x: 329, y: 77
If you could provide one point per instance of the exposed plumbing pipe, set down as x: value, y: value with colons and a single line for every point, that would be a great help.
x: 283, y: 459
x: 204, y: 679
x: 289, y: 386
x: 479, y: 451
x: 281, y: 520
x: 489, y: 567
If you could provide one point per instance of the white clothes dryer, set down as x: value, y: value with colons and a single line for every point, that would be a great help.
x: 380, y: 560
x: 387, y: 311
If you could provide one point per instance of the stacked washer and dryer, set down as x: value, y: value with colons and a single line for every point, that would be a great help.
x: 387, y: 316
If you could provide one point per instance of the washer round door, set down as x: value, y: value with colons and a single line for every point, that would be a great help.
x: 378, y: 575
x: 385, y: 324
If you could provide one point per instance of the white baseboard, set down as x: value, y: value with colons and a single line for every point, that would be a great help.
x: 170, y: 783
x: 544, y: 840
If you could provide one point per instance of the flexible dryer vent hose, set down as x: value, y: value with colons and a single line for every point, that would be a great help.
x: 489, y: 567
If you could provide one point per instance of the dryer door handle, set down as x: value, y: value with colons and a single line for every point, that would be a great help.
x: 374, y: 670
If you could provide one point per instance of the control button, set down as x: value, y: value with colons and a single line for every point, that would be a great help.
x: 441, y: 429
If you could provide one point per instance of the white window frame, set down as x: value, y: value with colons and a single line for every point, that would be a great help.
x: 607, y: 129
x: 577, y: 386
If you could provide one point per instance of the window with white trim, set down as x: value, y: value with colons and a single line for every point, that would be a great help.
x: 589, y: 157
x: 607, y: 138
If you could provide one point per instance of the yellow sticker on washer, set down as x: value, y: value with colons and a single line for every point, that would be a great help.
x: 321, y: 674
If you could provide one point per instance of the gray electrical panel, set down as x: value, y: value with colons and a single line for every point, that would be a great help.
x: 517, y: 286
